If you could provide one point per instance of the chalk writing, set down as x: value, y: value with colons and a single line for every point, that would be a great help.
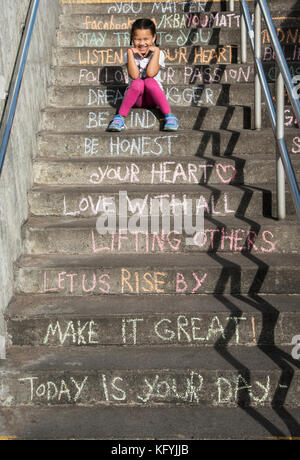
x: 145, y: 119
x: 74, y: 333
x: 290, y: 120
x: 291, y: 53
x: 214, y: 19
x: 131, y: 282
x: 296, y: 89
x: 293, y: 68
x: 286, y: 36
x: 168, y: 172
x: 182, y: 55
x: 296, y: 145
x: 102, y: 24
x: 94, y: 204
x: 153, y: 387
x: 63, y: 391
x: 173, y: 75
x: 196, y: 95
x: 122, y: 39
x: 194, y: 75
x: 91, y: 146
x: 142, y: 145
x: 234, y: 240
x: 69, y: 282
x: 157, y: 329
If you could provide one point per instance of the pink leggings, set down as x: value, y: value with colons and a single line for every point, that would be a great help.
x: 144, y: 93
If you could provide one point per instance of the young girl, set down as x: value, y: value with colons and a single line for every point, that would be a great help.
x: 143, y: 63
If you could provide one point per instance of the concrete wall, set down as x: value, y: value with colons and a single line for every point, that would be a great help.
x: 16, y: 178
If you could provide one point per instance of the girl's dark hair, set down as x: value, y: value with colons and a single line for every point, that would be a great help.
x: 145, y: 24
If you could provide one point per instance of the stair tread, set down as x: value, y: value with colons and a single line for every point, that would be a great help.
x: 54, y: 222
x: 238, y: 131
x: 185, y: 159
x: 178, y: 109
x: 165, y: 260
x: 41, y: 359
x: 150, y: 423
x: 132, y: 188
x: 41, y: 306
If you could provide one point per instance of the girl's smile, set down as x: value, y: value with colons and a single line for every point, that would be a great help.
x: 143, y: 40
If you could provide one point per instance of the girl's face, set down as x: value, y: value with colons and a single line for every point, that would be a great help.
x: 143, y: 40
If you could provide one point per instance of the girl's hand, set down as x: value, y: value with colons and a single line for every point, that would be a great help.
x: 134, y: 51
x: 154, y: 48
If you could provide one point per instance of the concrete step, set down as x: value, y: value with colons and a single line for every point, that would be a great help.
x: 168, y: 37
x: 45, y: 235
x: 221, y: 201
x: 180, y: 95
x: 149, y: 423
x: 155, y: 145
x: 184, y: 55
x: 247, y: 170
x: 180, y: 20
x: 214, y: 117
x: 172, y: 320
x: 164, y: 7
x: 172, y: 75
x: 158, y: 274
x: 149, y: 376
x: 180, y: 37
x: 74, y: 120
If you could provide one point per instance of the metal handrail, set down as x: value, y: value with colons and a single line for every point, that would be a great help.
x: 16, y: 80
x: 284, y: 165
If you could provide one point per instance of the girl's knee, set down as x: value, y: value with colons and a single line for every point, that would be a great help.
x: 151, y: 83
x: 138, y: 85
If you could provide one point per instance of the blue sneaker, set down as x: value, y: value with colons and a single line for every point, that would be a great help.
x: 171, y: 123
x: 117, y: 125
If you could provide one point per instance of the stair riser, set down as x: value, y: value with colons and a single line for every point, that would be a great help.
x: 66, y: 280
x: 227, y: 171
x: 215, y: 329
x: 128, y: 145
x: 206, y: 118
x: 183, y: 55
x: 75, y: 204
x: 71, y: 120
x: 183, y: 37
x: 106, y: 22
x: 151, y: 387
x: 167, y: 38
x: 213, y: 239
x: 172, y: 75
x: 146, y: 7
x: 199, y: 96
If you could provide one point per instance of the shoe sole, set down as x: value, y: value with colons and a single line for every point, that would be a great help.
x: 170, y: 130
x: 115, y: 130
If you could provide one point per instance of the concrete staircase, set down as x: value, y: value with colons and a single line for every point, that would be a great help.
x: 144, y: 336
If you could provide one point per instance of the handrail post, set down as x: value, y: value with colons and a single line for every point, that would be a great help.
x: 257, y: 41
x: 243, y: 38
x: 281, y: 206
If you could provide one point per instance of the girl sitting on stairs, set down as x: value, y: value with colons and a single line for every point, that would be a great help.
x: 143, y: 63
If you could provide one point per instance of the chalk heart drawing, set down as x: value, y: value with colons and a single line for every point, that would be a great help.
x: 223, y: 170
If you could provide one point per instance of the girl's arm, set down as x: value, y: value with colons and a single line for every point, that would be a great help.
x: 153, y: 66
x: 133, y: 69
